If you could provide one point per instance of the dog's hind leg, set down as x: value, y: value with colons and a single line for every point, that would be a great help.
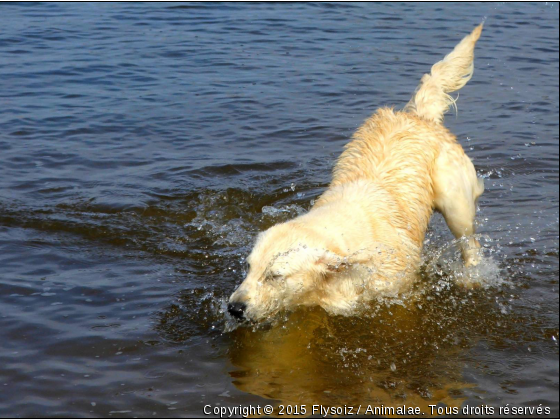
x: 456, y: 190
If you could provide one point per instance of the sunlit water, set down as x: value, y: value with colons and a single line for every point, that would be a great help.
x: 144, y: 145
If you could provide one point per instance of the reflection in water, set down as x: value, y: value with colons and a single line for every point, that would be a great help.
x: 396, y: 354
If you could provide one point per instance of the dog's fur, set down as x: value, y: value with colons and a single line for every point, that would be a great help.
x: 363, y: 237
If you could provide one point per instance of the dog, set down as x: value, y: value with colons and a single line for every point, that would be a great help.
x: 363, y: 236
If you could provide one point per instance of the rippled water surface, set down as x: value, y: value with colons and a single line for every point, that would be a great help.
x: 142, y: 147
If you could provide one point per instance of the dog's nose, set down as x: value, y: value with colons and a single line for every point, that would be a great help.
x: 237, y: 310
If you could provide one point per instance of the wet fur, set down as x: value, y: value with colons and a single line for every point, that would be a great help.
x: 363, y: 237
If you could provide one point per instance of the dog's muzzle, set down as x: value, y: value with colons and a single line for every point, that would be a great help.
x: 237, y: 310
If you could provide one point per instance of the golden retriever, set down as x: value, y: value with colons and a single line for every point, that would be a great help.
x: 363, y: 237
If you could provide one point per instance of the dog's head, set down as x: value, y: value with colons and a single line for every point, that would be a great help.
x: 288, y: 267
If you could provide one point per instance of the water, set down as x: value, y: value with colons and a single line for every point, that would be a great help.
x: 144, y: 145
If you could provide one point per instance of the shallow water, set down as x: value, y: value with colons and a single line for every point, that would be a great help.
x: 144, y: 145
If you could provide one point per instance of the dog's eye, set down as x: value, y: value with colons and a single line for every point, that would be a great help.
x: 274, y: 276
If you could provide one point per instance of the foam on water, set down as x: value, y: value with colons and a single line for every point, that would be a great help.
x: 283, y: 211
x: 446, y: 262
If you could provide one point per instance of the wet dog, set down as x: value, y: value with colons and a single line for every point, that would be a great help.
x: 363, y: 237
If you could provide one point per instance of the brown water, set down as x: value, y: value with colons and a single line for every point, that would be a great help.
x: 143, y: 146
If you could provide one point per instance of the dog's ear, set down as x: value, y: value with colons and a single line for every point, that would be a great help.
x: 331, y: 262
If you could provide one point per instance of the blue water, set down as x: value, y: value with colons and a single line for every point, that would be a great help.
x: 140, y: 143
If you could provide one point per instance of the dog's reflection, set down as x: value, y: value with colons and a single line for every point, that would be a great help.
x: 393, y: 357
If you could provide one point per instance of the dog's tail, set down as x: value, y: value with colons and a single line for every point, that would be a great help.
x: 431, y: 99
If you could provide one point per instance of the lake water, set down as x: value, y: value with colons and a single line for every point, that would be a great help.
x: 142, y: 148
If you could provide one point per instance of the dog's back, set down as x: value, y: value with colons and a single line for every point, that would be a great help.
x: 398, y: 151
